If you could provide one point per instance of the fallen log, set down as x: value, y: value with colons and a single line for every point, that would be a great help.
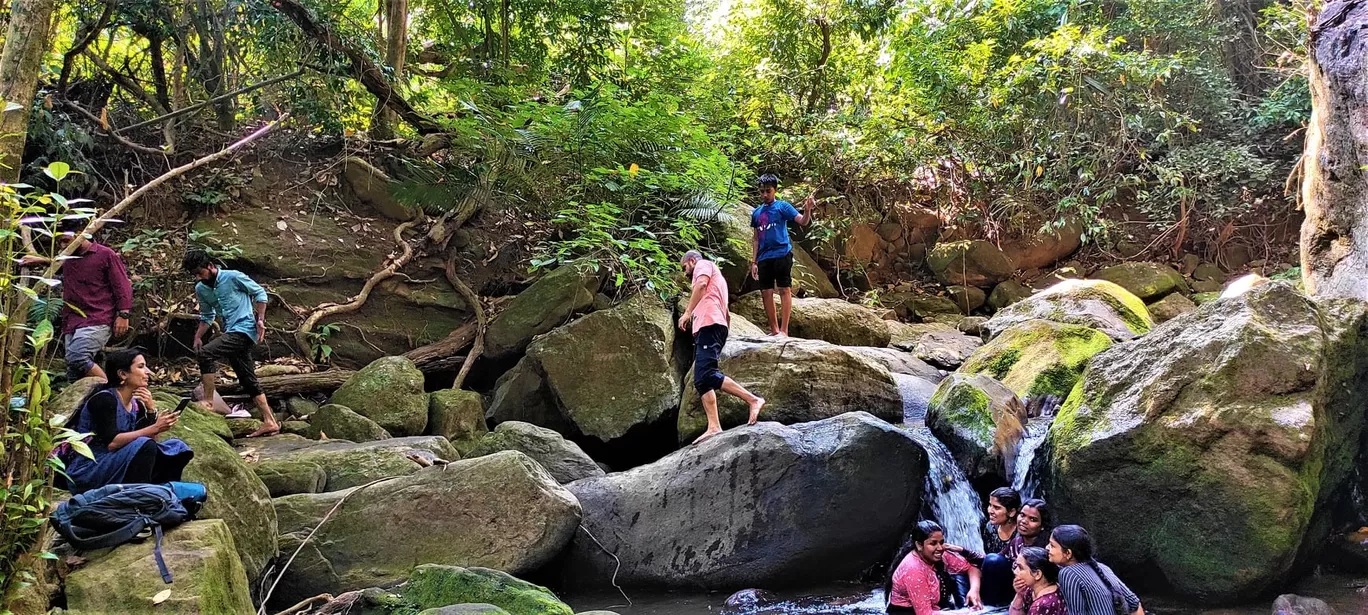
x: 441, y: 355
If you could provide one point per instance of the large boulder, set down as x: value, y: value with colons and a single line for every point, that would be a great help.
x: 434, y: 585
x: 612, y: 370
x: 1007, y: 293
x: 501, y: 511
x: 1170, y: 307
x: 390, y: 392
x: 1038, y: 357
x: 236, y: 494
x: 1232, y: 428
x: 801, y: 381
x: 1098, y: 304
x: 737, y: 510
x: 969, y: 263
x: 564, y: 459
x: 546, y: 304
x: 372, y: 187
x: 68, y: 401
x: 1038, y: 250
x: 207, y: 574
x: 521, y: 394
x: 1148, y: 281
x: 458, y: 416
x: 290, y: 464
x: 339, y: 422
x: 833, y: 320
x: 980, y: 421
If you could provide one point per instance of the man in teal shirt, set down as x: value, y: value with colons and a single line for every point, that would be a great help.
x: 241, y: 303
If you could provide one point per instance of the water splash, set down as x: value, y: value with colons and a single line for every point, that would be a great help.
x: 952, y: 499
x: 1023, y: 481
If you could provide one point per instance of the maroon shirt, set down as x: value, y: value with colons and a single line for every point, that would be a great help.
x: 96, y: 283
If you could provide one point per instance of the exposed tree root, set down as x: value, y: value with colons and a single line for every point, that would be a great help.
x: 301, y: 334
x: 473, y: 300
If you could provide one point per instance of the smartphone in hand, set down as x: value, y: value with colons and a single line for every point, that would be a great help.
x: 180, y: 407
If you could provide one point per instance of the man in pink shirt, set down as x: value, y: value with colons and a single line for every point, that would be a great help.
x: 708, y: 311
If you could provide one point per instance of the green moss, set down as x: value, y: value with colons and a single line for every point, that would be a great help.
x: 1038, y: 356
x: 966, y: 407
x: 432, y: 586
x: 1126, y: 305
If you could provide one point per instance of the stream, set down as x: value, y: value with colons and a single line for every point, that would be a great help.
x: 953, y: 503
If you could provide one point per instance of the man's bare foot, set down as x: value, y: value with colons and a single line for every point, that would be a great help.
x: 755, y: 407
x: 773, y: 332
x: 707, y: 434
x: 783, y: 333
x: 266, y: 429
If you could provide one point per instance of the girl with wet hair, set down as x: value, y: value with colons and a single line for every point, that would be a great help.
x: 1033, y: 528
x: 1039, y: 578
x: 1088, y: 587
x: 920, y: 578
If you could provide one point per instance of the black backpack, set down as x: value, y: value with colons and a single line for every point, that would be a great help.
x: 115, y: 514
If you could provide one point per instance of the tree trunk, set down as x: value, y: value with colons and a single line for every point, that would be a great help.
x: 396, y: 49
x: 25, y: 44
x: 1334, y: 237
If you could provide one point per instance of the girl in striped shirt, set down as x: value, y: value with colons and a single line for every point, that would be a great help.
x: 1088, y: 586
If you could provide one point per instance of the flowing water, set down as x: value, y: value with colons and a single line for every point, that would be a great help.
x: 1022, y: 480
x: 952, y: 499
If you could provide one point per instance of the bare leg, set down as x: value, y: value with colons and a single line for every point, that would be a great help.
x: 710, y: 408
x: 755, y: 402
x: 96, y: 370
x: 767, y: 295
x: 207, y: 385
x: 786, y: 295
x: 269, y: 426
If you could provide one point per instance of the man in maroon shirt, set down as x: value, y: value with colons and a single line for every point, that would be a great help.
x: 97, y: 297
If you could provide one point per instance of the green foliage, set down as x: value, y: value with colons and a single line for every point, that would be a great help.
x: 28, y: 431
x: 318, y: 340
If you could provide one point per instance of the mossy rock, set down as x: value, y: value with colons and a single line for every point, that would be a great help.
x: 458, y: 416
x: 969, y: 263
x: 290, y: 464
x: 564, y: 459
x: 966, y: 298
x: 1255, y: 404
x: 390, y: 392
x: 388, y: 324
x: 1170, y: 307
x: 1205, y: 298
x: 341, y: 423
x: 546, y: 304
x: 980, y: 421
x: 1097, y: 304
x: 265, y: 248
x: 500, y: 511
x: 433, y: 585
x: 614, y: 370
x: 68, y: 400
x: 236, y: 494
x: 298, y: 428
x: 1148, y: 281
x: 831, y: 320
x: 521, y: 394
x: 1007, y: 293
x: 374, y: 190
x: 465, y: 609
x: 1038, y: 357
x: 208, y: 576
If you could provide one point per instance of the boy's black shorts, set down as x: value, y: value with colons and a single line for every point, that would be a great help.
x: 776, y: 272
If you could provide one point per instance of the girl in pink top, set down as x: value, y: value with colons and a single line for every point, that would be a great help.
x: 922, y: 582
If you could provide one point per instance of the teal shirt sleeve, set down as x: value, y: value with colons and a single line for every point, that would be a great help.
x: 249, y: 286
x: 207, y: 303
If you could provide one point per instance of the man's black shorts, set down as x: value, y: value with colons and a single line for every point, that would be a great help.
x: 776, y: 272
x: 708, y: 343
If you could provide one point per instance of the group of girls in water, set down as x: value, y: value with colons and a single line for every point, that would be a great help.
x: 1029, y: 566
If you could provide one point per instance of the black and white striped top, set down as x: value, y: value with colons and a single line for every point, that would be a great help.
x: 1085, y: 593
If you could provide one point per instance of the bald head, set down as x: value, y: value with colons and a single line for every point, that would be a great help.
x: 690, y: 259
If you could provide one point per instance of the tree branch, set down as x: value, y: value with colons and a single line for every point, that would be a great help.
x: 371, y: 76
x: 111, y: 133
x: 201, y: 105
x: 70, y: 56
x: 126, y: 82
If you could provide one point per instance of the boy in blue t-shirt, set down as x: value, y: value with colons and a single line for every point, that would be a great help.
x: 771, y: 251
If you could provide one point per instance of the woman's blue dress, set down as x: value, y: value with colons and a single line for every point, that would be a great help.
x: 110, y: 467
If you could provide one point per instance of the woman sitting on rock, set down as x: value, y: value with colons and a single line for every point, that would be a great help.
x: 1039, y: 578
x: 1088, y: 586
x: 920, y: 579
x: 123, y: 421
x: 1004, y: 504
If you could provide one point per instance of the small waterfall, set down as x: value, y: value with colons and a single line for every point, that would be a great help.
x: 952, y: 499
x: 1023, y: 481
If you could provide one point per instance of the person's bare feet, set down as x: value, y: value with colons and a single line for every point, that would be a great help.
x: 774, y: 332
x: 266, y: 429
x: 707, y: 434
x: 755, y: 407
